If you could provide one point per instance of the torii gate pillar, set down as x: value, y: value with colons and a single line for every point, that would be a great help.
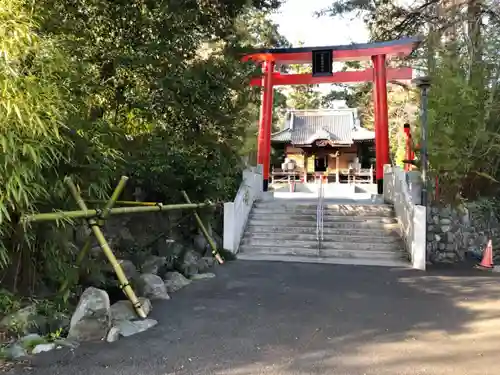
x: 265, y: 122
x: 381, y: 119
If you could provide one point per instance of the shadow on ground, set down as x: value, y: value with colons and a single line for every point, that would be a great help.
x: 285, y: 318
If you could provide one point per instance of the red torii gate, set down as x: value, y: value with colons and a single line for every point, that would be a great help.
x: 377, y: 52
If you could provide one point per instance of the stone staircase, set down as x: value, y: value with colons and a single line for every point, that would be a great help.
x: 363, y: 234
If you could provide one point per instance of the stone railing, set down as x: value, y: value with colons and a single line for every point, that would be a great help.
x: 403, y: 193
x: 236, y: 213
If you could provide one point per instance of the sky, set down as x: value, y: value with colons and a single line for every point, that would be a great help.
x: 297, y: 22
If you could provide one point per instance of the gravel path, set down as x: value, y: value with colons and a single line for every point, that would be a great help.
x: 260, y: 318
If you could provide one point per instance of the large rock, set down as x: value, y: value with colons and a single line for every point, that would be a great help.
x: 92, y: 318
x: 154, y: 264
x: 152, y: 286
x: 175, y: 281
x: 110, y: 278
x: 129, y: 269
x: 202, y: 246
x: 189, y: 264
x: 210, y: 260
x: 169, y: 249
x: 205, y: 263
x: 123, y: 310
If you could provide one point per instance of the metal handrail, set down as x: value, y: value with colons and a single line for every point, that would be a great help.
x: 319, y: 215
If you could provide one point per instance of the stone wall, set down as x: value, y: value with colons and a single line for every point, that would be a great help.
x: 460, y: 235
x: 135, y: 238
x: 148, y: 230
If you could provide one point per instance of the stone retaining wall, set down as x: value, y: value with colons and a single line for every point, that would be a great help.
x: 455, y: 236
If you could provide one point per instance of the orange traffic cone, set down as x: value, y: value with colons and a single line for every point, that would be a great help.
x: 487, y: 261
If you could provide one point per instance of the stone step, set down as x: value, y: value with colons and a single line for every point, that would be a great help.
x: 278, y: 237
x: 328, y: 209
x: 324, y: 253
x: 324, y: 260
x: 326, y: 203
x: 348, y: 224
x: 387, y: 230
x: 310, y: 212
x: 327, y: 245
x: 281, y: 217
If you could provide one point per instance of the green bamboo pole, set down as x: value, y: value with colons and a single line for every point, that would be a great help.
x: 209, y: 239
x: 127, y: 203
x: 86, y: 214
x: 129, y: 292
x: 88, y: 243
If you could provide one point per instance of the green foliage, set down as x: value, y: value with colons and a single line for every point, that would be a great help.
x: 56, y: 335
x: 32, y: 112
x: 30, y: 344
x: 92, y: 89
x: 460, y: 53
x: 8, y: 302
x: 463, y: 143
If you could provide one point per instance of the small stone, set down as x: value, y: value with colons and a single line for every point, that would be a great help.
x: 123, y: 310
x: 445, y: 228
x: 113, y: 334
x: 446, y: 211
x: 43, y: 348
x: 129, y: 328
x: 67, y: 343
x: 15, y: 351
x: 429, y: 247
x: 450, y: 237
x: 203, y: 276
x: 437, y: 237
x: 445, y: 221
x: 435, y: 219
x: 152, y: 286
x: 175, y: 281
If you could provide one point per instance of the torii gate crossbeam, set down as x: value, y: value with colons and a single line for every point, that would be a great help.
x: 378, y: 53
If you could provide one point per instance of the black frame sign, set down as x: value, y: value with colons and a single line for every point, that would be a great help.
x: 322, y: 63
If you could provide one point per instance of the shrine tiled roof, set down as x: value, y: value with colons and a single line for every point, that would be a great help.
x: 340, y: 126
